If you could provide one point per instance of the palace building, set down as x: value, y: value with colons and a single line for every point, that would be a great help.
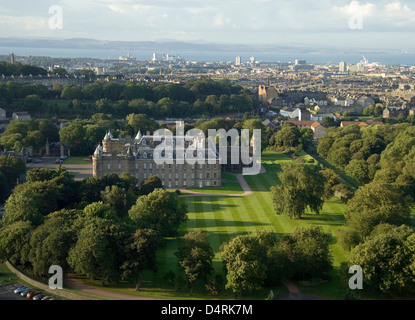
x: 140, y: 156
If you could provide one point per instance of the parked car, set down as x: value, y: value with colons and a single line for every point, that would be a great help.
x: 47, y: 298
x: 20, y: 289
x: 39, y: 296
x: 37, y: 160
x: 31, y: 294
x: 24, y: 292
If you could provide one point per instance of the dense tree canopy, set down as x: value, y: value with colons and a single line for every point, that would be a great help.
x: 301, y: 186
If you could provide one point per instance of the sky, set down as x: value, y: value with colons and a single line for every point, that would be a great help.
x: 337, y: 23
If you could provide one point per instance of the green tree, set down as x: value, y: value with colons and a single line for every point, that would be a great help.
x: 141, y: 254
x: 161, y: 211
x: 149, y: 184
x: 245, y: 262
x: 141, y: 122
x: 359, y: 170
x: 330, y: 180
x: 376, y: 203
x: 301, y: 186
x: 12, y: 168
x: 119, y: 199
x: 100, y: 210
x: 195, y: 257
x: 96, y: 253
x: 387, y: 260
x: 311, y: 253
x: 50, y: 244
x: 13, y: 238
x: 74, y: 135
x: 287, y: 137
x: 71, y: 92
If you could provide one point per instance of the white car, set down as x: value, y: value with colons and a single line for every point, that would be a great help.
x: 20, y: 289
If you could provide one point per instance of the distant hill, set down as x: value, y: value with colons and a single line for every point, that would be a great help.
x: 171, y: 45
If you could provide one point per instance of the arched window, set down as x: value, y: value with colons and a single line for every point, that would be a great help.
x: 145, y: 155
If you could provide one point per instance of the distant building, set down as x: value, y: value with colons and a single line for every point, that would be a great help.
x: 343, y: 67
x: 21, y: 116
x: 365, y: 101
x: 391, y: 113
x: 12, y: 58
x: 268, y: 95
x: 137, y: 156
x: 318, y: 129
x: 320, y: 116
x: 238, y: 61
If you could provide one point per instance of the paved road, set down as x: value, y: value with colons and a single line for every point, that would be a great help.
x: 6, y: 292
x: 81, y: 171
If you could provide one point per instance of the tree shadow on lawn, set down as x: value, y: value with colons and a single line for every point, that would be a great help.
x: 324, y: 219
x: 219, y: 223
x: 217, y: 201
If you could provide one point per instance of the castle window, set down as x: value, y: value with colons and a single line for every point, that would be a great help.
x: 193, y: 175
x: 200, y: 166
x: 119, y: 166
x: 215, y: 175
x: 150, y: 166
x: 177, y: 176
x: 136, y: 165
x: 207, y: 184
x: 184, y: 182
x: 162, y: 176
x: 144, y: 165
x: 184, y: 175
x: 145, y: 155
x: 207, y: 175
x: 145, y: 175
x: 201, y: 176
x: 109, y: 166
x: 215, y: 183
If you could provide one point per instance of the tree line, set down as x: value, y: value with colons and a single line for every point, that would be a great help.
x: 378, y: 233
x: 197, y: 97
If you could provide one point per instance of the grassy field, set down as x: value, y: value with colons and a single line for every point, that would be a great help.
x: 78, y: 160
x: 227, y: 217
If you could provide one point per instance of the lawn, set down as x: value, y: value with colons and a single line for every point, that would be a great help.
x: 226, y: 217
x: 78, y: 160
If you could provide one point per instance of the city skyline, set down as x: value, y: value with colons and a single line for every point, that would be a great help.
x: 385, y: 24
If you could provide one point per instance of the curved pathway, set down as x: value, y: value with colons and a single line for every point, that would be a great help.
x: 73, y: 282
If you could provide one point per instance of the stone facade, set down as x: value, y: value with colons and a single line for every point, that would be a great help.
x: 139, y: 157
